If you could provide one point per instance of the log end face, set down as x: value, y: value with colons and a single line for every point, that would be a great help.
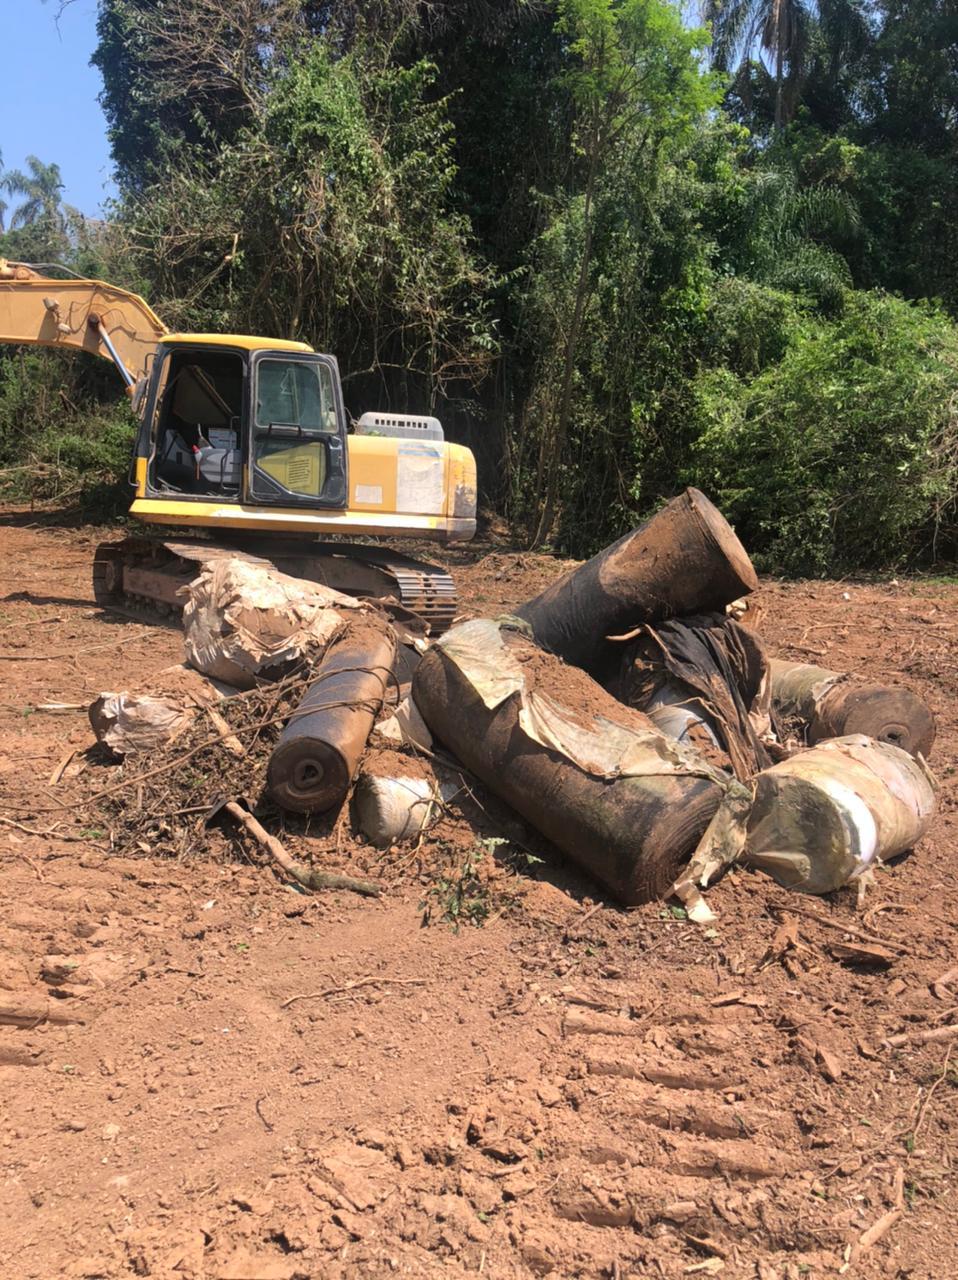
x: 307, y: 776
x: 895, y: 716
x: 725, y: 538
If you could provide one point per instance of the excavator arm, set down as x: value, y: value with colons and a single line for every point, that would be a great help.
x: 85, y: 314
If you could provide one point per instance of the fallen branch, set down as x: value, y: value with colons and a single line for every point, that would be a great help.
x: 847, y: 928
x: 62, y: 767
x: 864, y: 953
x: 51, y: 832
x: 31, y: 864
x: 936, y: 1035
x: 939, y: 988
x: 16, y: 1015
x: 878, y: 1229
x: 920, y: 1118
x: 573, y: 930
x: 351, y: 986
x: 295, y: 870
x: 226, y: 734
x: 74, y: 653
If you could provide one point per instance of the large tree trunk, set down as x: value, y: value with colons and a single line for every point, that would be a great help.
x: 557, y: 449
x: 685, y: 560
x: 779, y: 21
x: 633, y: 833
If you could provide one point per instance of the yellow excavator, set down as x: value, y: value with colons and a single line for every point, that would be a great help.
x: 249, y: 438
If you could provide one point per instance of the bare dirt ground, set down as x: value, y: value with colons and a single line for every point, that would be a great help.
x: 219, y: 1077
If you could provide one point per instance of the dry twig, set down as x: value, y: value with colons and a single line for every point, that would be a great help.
x: 351, y: 986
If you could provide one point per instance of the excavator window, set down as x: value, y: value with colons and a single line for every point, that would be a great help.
x: 294, y: 417
x: 293, y: 393
x: 198, y: 441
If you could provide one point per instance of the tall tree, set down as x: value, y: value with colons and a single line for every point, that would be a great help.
x: 746, y: 31
x: 638, y: 93
x: 40, y: 189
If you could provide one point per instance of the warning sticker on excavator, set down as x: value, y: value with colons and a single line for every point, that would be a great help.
x: 371, y: 493
x: 419, y: 478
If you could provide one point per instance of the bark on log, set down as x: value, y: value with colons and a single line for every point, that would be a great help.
x: 686, y: 559
x: 833, y: 704
x: 632, y: 833
x: 319, y: 750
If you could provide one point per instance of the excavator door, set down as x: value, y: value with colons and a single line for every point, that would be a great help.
x: 297, y: 432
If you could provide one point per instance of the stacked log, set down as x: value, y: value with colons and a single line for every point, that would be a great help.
x: 633, y: 833
x: 686, y: 559
x: 319, y: 750
x: 831, y: 704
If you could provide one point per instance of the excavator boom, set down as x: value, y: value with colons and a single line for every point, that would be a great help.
x: 88, y: 315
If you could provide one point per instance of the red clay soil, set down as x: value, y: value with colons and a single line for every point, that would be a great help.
x: 575, y: 691
x: 218, y: 1077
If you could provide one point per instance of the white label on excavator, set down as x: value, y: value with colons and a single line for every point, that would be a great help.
x: 370, y: 493
x: 419, y: 479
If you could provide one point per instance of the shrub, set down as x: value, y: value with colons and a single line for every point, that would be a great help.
x: 844, y: 454
x: 58, y: 438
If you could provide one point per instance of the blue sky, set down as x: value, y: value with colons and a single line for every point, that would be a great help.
x: 48, y: 97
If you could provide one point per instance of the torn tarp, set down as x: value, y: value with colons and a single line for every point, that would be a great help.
x: 599, y: 744
x: 818, y: 820
x: 714, y: 665
x: 244, y: 620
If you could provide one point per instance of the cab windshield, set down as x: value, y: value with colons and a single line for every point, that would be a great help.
x: 295, y: 393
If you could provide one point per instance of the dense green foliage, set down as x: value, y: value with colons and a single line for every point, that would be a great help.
x: 612, y: 264
x: 845, y: 451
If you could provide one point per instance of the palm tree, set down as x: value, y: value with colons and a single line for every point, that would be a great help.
x: 40, y: 188
x: 792, y: 234
x: 787, y: 36
x: 3, y: 203
x: 777, y: 30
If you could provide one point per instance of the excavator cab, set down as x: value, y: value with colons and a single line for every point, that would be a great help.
x: 265, y: 427
x: 297, y: 437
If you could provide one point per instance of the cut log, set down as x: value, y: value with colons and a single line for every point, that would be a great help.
x: 634, y: 833
x: 685, y: 559
x: 832, y: 704
x: 319, y: 750
x: 826, y: 815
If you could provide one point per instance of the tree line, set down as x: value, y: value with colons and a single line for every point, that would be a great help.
x: 619, y: 246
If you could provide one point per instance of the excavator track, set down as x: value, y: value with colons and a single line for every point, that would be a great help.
x: 143, y: 577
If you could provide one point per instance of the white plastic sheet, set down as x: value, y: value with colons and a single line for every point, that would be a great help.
x: 244, y: 620
x: 130, y: 724
x: 818, y: 820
